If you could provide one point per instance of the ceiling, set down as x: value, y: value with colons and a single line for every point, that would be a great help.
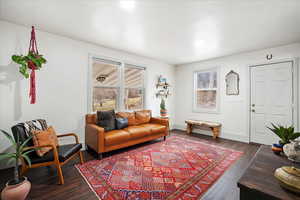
x: 173, y: 31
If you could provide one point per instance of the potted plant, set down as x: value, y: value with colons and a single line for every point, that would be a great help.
x: 18, y: 188
x: 163, y: 110
x: 286, y: 135
x: 26, y: 61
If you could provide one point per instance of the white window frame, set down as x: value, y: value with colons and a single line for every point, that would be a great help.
x: 121, y: 87
x: 216, y: 110
x: 143, y: 88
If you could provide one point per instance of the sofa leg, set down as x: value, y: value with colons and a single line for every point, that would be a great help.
x: 165, y: 138
x: 99, y: 156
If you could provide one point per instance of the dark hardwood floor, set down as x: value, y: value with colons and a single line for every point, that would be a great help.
x: 45, y: 182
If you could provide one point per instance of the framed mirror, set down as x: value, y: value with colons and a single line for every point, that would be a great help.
x: 232, y: 83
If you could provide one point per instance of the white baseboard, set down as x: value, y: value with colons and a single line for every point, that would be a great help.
x: 223, y: 134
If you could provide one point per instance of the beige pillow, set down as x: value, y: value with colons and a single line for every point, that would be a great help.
x: 44, y: 137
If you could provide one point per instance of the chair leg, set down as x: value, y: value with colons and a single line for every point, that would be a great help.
x: 81, y: 157
x: 165, y: 138
x: 60, y: 174
x: 100, y: 156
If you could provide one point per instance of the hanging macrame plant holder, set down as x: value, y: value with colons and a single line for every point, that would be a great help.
x: 32, y: 66
x: 30, y: 63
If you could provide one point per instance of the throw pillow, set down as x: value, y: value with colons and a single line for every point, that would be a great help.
x: 121, y: 123
x: 106, y: 119
x: 143, y: 116
x: 44, y: 137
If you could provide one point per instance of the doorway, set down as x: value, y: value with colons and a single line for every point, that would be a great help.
x: 271, y: 100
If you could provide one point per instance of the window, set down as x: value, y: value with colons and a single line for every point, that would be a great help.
x: 206, y: 91
x: 134, y: 88
x: 116, y: 85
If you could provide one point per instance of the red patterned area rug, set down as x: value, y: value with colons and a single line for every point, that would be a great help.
x: 177, y: 168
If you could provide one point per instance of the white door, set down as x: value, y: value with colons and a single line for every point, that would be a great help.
x: 271, y: 100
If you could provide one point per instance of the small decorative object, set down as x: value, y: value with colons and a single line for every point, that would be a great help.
x: 101, y: 78
x: 162, y: 80
x: 289, y: 178
x: 19, y: 187
x: 292, y: 151
x: 163, y: 110
x: 269, y: 56
x: 162, y: 92
x: 286, y: 134
x: 32, y: 61
x: 232, y: 83
x: 277, y: 148
x: 162, y: 87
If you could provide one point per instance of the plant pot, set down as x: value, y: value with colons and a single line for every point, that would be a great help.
x: 163, y: 113
x: 277, y: 148
x: 16, y: 191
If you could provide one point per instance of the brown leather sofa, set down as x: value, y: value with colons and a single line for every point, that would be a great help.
x: 142, y: 127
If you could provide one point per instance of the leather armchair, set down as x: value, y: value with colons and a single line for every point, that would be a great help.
x: 57, y: 156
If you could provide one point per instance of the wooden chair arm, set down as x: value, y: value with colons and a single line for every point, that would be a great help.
x: 70, y: 134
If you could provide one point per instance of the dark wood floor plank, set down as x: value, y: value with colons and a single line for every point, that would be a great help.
x: 45, y: 181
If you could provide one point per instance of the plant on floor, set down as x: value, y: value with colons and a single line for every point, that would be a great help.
x: 286, y: 134
x: 19, y: 186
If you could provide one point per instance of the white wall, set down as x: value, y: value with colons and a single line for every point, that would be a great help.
x: 62, y: 82
x: 234, y: 110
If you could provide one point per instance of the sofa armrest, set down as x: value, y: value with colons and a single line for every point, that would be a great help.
x: 94, y: 137
x: 161, y: 121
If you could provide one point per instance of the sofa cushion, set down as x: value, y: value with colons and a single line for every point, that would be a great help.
x: 142, y: 116
x: 106, y: 119
x: 155, y: 128
x: 121, y: 123
x: 138, y: 131
x: 116, y: 137
x: 129, y: 115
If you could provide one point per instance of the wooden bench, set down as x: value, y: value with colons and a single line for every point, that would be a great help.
x: 214, y: 126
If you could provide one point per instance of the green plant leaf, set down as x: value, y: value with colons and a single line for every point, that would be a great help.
x: 7, y: 155
x: 294, y: 136
x: 27, y: 159
x: 9, y: 137
x: 28, y: 151
x: 42, y: 60
x: 17, y: 59
x: 24, y: 143
x: 11, y: 160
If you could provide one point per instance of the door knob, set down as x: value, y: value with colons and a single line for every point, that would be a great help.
x: 253, y: 105
x: 253, y: 110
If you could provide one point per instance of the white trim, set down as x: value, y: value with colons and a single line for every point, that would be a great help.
x: 204, y: 110
x: 295, y: 71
